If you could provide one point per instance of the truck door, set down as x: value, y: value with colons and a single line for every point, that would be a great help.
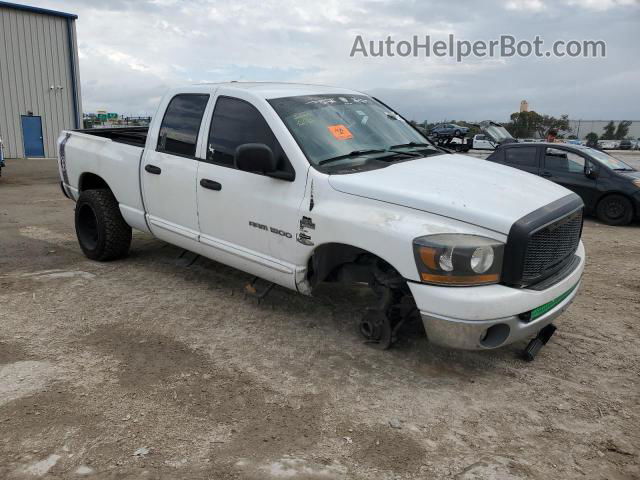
x: 248, y: 220
x: 170, y: 169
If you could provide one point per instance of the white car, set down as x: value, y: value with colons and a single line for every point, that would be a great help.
x: 608, y: 144
x: 302, y: 184
x: 482, y: 142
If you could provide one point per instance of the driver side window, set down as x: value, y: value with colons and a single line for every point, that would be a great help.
x: 563, y: 161
x: 236, y: 122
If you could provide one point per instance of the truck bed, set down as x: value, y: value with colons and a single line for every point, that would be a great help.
x: 136, y: 136
x: 113, y: 155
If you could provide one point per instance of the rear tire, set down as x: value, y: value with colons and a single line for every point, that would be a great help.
x: 615, y: 210
x: 102, y: 233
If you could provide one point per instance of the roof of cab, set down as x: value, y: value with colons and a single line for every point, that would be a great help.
x: 269, y: 90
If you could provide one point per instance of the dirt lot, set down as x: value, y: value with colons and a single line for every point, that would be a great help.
x: 147, y: 368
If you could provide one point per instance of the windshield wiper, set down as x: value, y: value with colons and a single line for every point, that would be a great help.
x: 431, y: 146
x: 410, y: 144
x: 624, y: 169
x: 355, y: 153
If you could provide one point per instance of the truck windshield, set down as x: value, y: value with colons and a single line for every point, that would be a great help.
x: 346, y: 129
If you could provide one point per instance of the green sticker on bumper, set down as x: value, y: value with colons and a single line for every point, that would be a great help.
x: 541, y: 310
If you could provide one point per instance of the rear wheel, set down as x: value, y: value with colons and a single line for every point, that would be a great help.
x: 102, y: 233
x: 615, y: 210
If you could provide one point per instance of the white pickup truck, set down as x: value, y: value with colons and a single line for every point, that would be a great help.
x: 302, y: 184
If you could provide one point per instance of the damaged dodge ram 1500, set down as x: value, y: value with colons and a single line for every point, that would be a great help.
x: 301, y: 184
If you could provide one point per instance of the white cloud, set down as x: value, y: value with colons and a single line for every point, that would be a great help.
x: 532, y: 5
x: 601, y: 5
x: 130, y: 52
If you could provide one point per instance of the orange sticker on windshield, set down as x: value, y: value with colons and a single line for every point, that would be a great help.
x: 340, y: 132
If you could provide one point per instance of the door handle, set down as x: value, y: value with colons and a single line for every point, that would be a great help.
x: 153, y: 169
x: 210, y: 184
x: 546, y: 174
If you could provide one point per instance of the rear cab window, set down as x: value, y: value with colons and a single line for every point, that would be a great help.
x: 181, y: 124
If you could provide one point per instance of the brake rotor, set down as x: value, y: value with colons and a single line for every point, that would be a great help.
x: 375, y: 327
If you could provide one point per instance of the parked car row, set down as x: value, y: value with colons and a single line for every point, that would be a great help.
x: 625, y: 144
x: 483, y: 142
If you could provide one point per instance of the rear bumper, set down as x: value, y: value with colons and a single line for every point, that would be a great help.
x: 480, y: 318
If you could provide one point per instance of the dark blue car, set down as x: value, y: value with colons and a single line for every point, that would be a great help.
x: 609, y: 187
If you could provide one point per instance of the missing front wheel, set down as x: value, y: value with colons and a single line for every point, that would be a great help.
x: 380, y: 326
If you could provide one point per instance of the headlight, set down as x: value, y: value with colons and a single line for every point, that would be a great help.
x: 637, y: 183
x: 458, y: 259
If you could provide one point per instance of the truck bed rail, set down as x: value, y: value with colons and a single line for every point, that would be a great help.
x: 136, y: 136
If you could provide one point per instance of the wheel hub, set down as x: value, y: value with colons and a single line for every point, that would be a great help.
x: 376, y: 329
x: 614, y: 209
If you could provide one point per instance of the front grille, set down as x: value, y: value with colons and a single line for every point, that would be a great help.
x: 549, y: 247
x: 543, y: 242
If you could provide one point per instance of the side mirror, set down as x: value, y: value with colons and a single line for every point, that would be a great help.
x: 255, y: 157
x: 590, y: 172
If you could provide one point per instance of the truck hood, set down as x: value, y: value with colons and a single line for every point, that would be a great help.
x: 464, y: 188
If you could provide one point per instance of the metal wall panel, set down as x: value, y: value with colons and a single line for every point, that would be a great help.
x: 35, y: 56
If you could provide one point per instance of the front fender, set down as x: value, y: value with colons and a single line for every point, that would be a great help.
x: 382, y: 229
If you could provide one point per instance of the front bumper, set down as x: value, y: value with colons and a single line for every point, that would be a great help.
x: 480, y: 318
x: 488, y: 334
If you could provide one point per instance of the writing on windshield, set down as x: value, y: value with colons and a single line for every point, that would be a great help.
x: 335, y: 126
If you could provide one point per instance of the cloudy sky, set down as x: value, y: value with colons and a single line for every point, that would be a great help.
x: 132, y: 50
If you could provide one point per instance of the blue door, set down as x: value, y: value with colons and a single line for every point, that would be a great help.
x: 32, y: 135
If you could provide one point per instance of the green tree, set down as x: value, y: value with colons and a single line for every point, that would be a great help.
x: 549, y: 122
x: 609, y: 131
x: 529, y: 124
x: 524, y: 124
x: 623, y: 129
x: 592, y: 139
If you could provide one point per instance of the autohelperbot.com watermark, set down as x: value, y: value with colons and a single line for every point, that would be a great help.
x: 505, y: 46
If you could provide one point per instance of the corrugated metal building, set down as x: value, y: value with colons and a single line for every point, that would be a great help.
x: 39, y: 79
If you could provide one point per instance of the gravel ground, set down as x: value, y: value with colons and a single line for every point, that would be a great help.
x: 147, y: 368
